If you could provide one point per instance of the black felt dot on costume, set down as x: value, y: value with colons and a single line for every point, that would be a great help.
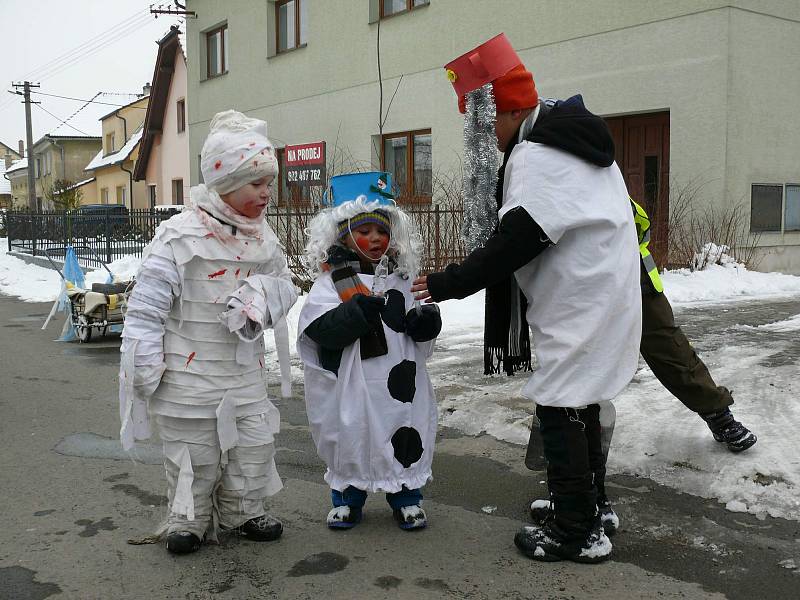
x: 407, y: 446
x: 394, y: 313
x: 402, y: 381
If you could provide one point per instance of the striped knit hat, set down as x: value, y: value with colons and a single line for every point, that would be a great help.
x: 376, y: 216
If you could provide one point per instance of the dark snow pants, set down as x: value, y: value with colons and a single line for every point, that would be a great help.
x: 576, y: 466
x: 672, y: 359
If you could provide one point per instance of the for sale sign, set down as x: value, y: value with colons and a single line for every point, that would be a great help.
x: 305, y: 164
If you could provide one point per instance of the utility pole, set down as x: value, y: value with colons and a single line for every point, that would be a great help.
x: 26, y: 94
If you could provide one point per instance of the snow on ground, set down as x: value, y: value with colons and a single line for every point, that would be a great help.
x: 33, y: 283
x: 655, y: 435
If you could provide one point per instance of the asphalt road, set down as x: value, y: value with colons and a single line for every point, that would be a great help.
x: 71, y: 500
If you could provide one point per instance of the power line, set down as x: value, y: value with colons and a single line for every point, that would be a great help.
x: 84, y: 105
x: 63, y: 122
x: 79, y: 48
x: 90, y: 51
x: 88, y: 48
x: 92, y: 101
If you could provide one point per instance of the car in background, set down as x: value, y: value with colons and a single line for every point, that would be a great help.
x: 97, y: 220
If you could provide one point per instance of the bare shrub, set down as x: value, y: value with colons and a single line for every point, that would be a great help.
x: 695, y: 227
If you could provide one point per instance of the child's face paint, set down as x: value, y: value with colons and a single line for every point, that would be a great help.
x: 369, y: 240
x: 251, y: 199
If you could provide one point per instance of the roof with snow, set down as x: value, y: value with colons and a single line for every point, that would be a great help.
x: 18, y: 165
x: 75, y: 185
x: 117, y: 157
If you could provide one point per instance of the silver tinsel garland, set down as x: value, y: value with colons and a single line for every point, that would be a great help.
x: 481, y: 161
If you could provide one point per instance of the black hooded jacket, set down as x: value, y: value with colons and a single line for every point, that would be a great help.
x: 568, y: 126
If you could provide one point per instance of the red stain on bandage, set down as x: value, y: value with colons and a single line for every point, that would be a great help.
x: 217, y: 273
x: 237, y: 273
x: 218, y: 164
x: 191, y: 357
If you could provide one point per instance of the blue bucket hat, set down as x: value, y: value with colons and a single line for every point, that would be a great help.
x: 375, y: 185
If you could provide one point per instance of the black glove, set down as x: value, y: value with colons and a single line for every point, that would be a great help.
x: 424, y: 324
x: 370, y: 306
x: 394, y: 313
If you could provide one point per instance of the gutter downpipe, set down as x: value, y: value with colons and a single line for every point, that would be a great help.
x: 130, y: 173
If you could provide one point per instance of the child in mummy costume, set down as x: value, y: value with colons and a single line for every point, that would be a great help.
x: 364, y: 344
x: 212, y: 279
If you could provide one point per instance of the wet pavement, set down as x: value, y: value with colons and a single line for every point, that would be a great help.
x: 72, y: 500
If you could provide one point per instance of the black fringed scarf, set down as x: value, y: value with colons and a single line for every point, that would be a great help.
x: 506, y: 340
x: 344, y: 265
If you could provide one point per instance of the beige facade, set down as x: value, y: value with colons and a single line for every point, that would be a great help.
x: 113, y: 166
x: 726, y: 72
x: 17, y: 175
x: 61, y: 158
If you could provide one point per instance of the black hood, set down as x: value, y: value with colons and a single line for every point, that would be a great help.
x: 569, y: 126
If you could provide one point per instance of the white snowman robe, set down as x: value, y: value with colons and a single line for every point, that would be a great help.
x: 202, y: 384
x: 374, y: 424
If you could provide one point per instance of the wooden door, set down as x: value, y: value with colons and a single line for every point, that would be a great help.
x: 642, y: 153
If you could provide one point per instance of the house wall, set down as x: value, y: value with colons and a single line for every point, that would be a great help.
x: 66, y: 159
x: 19, y: 188
x: 133, y: 116
x: 701, y: 60
x: 169, y: 155
x: 763, y: 127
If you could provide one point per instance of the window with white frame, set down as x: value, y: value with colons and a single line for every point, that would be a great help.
x: 217, y: 51
x: 774, y: 207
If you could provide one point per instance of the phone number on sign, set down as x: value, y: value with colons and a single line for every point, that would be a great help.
x: 305, y: 175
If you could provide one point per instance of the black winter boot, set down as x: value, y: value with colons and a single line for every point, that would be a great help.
x: 728, y: 430
x: 549, y: 543
x: 541, y: 510
x: 265, y: 528
x: 182, y: 542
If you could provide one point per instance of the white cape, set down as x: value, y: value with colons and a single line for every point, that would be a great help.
x: 372, y: 427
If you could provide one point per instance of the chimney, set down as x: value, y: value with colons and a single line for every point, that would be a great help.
x: 21, y: 146
x: 146, y: 89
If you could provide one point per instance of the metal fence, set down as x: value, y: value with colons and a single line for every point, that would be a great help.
x: 109, y: 233
x: 438, y: 225
x: 113, y: 234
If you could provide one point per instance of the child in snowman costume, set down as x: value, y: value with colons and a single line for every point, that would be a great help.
x: 364, y: 344
x: 212, y: 279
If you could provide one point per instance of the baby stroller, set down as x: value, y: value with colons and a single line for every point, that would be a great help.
x: 100, y: 307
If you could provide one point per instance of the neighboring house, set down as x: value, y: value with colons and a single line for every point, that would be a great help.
x: 60, y: 157
x: 5, y: 187
x: 8, y: 155
x: 684, y: 86
x: 17, y: 175
x: 113, y: 165
x: 163, y: 162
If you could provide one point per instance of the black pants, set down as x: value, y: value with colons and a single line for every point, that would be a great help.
x: 576, y: 466
x: 673, y: 361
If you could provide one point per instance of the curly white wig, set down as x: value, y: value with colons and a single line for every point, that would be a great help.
x: 405, y: 242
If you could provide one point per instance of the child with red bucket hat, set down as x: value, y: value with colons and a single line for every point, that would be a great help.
x: 552, y: 239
